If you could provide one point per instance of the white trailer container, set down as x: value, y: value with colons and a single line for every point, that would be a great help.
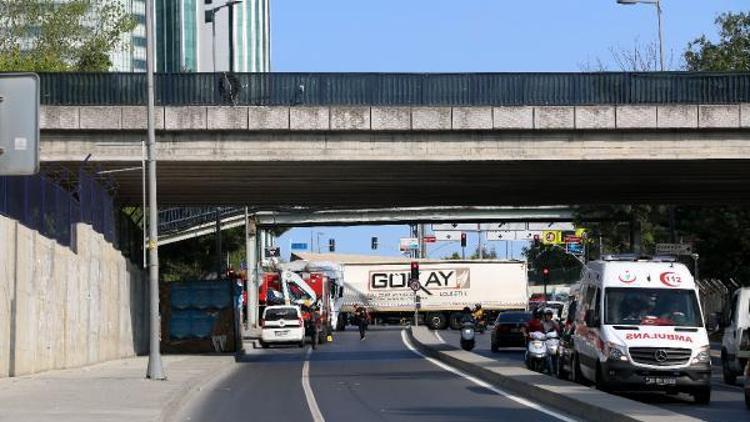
x: 449, y: 286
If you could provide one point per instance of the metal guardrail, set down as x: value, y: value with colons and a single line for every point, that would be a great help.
x: 397, y: 89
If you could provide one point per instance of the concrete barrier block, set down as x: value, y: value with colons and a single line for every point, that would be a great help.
x: 135, y: 117
x: 268, y: 118
x: 472, y: 118
x: 554, y: 117
x: 745, y: 115
x: 595, y: 117
x: 59, y: 117
x: 636, y: 117
x: 185, y: 118
x: 431, y: 118
x: 719, y: 116
x: 390, y: 118
x: 513, y: 117
x: 350, y: 118
x: 227, y: 117
x: 677, y: 116
x: 309, y: 118
x: 109, y: 117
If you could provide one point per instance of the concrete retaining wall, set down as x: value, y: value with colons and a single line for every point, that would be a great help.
x: 63, y: 307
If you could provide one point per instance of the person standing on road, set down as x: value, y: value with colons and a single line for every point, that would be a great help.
x: 361, y: 314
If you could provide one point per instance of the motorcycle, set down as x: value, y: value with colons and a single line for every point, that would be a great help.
x: 468, y: 331
x: 552, y: 343
x: 536, y: 352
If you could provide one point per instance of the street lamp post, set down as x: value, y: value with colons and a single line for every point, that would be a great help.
x: 155, y: 369
x: 656, y: 3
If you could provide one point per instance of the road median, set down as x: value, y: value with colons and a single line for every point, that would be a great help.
x: 576, y: 400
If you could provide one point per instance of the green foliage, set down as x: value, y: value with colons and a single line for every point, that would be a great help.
x: 196, y: 258
x: 730, y: 53
x: 50, y: 36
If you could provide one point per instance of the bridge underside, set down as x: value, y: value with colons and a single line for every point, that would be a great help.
x: 375, y: 184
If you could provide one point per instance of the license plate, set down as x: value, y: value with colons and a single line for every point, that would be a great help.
x: 281, y: 333
x: 661, y: 381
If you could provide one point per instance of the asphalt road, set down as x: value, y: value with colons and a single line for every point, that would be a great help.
x: 727, y: 402
x: 379, y: 379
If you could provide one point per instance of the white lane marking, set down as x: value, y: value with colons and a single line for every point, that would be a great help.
x: 439, y: 337
x: 311, y: 402
x: 477, y: 381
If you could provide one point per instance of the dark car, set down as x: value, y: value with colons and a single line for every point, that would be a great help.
x: 565, y: 350
x: 508, y: 330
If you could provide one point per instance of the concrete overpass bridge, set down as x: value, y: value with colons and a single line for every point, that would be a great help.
x: 401, y: 140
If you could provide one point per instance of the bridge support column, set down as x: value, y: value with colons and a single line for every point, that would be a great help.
x: 251, y: 258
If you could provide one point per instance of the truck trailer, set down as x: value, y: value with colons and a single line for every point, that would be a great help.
x: 446, y: 288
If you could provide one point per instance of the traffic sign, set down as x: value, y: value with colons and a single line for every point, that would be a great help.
x: 552, y: 237
x: 409, y: 244
x: 455, y: 227
x: 507, y: 226
x: 273, y: 252
x: 574, y: 248
x: 561, y: 226
x: 429, y: 239
x: 299, y: 246
x: 414, y: 285
x: 674, y: 249
x: 19, y: 124
x: 527, y: 235
x: 569, y: 238
x: 447, y: 236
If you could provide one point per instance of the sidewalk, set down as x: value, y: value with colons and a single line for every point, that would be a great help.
x: 110, y: 391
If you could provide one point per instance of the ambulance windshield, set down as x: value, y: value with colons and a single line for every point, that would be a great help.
x: 664, y: 307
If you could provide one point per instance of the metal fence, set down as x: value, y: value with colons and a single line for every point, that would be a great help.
x: 52, y: 201
x: 397, y: 89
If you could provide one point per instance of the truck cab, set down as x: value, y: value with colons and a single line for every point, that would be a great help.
x: 735, y: 343
x: 639, y: 326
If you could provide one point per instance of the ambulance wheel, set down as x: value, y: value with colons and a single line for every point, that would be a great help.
x: 437, y: 321
x: 702, y: 395
x: 263, y: 344
x: 600, y: 384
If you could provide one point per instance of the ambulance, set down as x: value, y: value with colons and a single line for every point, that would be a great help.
x: 639, y: 326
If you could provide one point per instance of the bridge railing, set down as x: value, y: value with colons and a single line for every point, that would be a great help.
x: 397, y: 89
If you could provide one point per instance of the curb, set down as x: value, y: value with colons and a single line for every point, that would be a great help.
x: 573, y: 399
x: 183, y: 394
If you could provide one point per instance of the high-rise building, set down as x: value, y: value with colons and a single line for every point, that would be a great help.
x: 185, y: 42
x: 131, y: 56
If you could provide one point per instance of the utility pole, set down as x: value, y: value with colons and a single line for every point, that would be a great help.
x: 479, y: 242
x: 155, y: 369
x: 219, y: 257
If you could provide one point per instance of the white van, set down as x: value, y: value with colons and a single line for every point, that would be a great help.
x: 639, y: 326
x: 735, y: 344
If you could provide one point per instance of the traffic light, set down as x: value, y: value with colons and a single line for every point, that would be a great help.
x: 463, y: 240
x: 545, y: 271
x: 331, y: 245
x: 374, y: 243
x: 414, y: 270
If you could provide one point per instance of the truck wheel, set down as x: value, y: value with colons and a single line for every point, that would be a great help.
x: 341, y: 322
x: 730, y: 378
x: 455, y: 320
x: 702, y: 395
x: 437, y: 321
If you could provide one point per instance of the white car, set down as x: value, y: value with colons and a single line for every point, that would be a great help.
x: 282, y: 325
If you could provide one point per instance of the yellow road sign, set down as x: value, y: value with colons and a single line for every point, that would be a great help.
x: 552, y: 237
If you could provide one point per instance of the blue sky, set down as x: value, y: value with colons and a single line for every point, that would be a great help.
x: 467, y: 36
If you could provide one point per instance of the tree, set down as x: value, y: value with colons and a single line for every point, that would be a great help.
x: 196, y: 258
x: 730, y: 53
x: 53, y: 36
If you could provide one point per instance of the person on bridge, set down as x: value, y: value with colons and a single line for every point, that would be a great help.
x: 361, y: 315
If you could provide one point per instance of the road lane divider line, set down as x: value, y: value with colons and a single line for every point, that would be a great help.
x: 477, y: 381
x: 439, y: 337
x: 309, y: 395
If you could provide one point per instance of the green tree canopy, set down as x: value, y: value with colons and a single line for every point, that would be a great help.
x: 52, y: 36
x: 732, y: 50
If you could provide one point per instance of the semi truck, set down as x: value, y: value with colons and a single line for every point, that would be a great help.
x: 446, y: 288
